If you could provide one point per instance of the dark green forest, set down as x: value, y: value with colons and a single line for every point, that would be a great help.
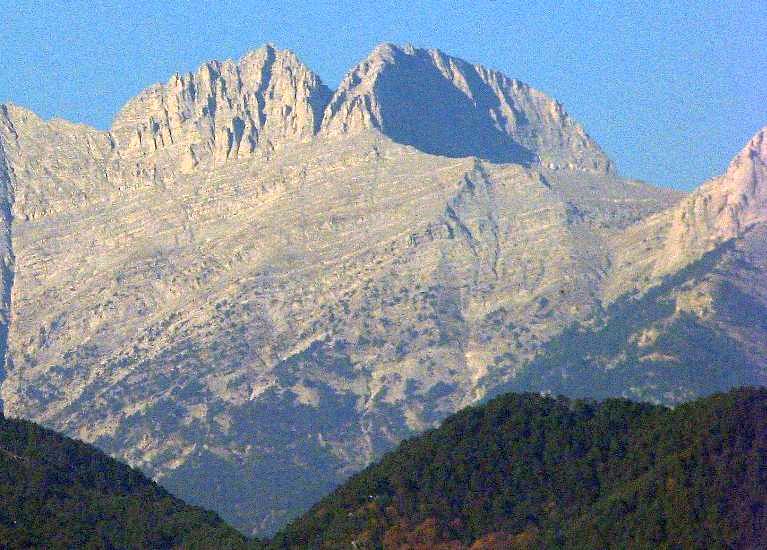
x: 56, y: 492
x: 528, y: 471
x: 521, y: 471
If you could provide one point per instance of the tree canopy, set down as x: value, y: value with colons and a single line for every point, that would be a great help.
x: 528, y: 471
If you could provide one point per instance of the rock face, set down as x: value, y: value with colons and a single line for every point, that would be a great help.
x: 726, y: 207
x: 61, y: 164
x: 446, y: 106
x: 731, y: 206
x: 225, y: 110
x: 7, y: 266
x: 250, y: 289
x: 686, y: 300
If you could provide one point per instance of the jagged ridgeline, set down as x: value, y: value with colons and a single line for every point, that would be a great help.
x: 251, y: 286
x: 56, y: 492
x: 526, y: 471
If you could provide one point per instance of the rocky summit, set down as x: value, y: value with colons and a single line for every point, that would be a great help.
x: 251, y: 285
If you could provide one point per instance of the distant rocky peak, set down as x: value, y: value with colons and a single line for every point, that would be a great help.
x: 730, y: 204
x: 752, y: 156
x: 744, y: 185
x: 439, y: 104
x: 446, y: 106
x: 225, y: 109
x: 723, y: 208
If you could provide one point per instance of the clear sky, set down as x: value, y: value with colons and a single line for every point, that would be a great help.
x: 672, y: 90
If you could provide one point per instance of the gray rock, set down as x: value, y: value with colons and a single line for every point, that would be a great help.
x: 249, y: 287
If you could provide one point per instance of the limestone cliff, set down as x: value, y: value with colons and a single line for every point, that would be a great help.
x: 7, y: 263
x: 246, y: 280
x: 225, y: 109
x: 727, y: 206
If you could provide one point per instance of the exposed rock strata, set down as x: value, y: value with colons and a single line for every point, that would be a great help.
x: 247, y: 280
x: 225, y: 109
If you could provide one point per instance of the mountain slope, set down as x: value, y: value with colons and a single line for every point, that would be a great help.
x: 686, y: 300
x: 60, y: 493
x: 525, y: 471
x: 727, y: 207
x: 203, y: 307
x: 699, y: 331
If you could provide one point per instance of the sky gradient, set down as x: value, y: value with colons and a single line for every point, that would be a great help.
x: 671, y: 92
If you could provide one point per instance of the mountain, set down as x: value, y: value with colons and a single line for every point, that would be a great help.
x: 688, y: 301
x: 727, y: 207
x: 526, y: 471
x: 445, y: 106
x: 251, y: 286
x: 59, y: 493
x: 225, y: 110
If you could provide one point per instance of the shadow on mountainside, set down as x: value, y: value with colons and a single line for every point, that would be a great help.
x: 422, y: 108
x: 288, y: 449
x: 686, y: 358
x: 281, y: 464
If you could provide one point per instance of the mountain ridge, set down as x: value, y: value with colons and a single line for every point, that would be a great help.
x: 204, y: 315
x: 221, y: 110
x: 471, y: 93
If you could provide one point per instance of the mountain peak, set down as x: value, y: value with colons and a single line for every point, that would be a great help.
x: 724, y: 207
x: 745, y: 182
x: 384, y: 49
x: 738, y: 199
x: 424, y: 98
x: 754, y: 151
x: 446, y: 106
x: 270, y: 51
x: 225, y: 109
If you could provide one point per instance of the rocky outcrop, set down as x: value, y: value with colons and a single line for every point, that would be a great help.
x: 57, y: 165
x: 727, y: 206
x: 225, y: 109
x: 724, y: 208
x: 445, y: 106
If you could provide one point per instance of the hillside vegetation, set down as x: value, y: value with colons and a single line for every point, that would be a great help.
x: 526, y: 471
x: 56, y: 492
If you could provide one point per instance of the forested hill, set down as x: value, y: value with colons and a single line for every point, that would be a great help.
x: 56, y: 492
x: 521, y: 471
x: 526, y: 471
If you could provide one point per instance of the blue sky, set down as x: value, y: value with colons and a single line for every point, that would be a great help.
x: 671, y: 91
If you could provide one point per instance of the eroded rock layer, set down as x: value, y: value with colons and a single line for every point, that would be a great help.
x: 249, y: 287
